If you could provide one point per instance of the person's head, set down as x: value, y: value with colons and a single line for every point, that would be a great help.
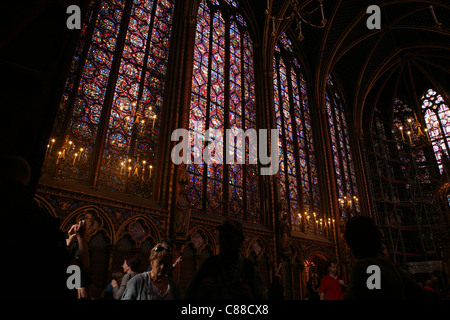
x: 15, y: 168
x: 333, y: 268
x: 363, y: 237
x: 231, y: 237
x: 161, y: 258
x: 130, y: 264
x: 435, y: 281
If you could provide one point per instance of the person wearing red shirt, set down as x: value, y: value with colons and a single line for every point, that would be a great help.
x: 332, y: 285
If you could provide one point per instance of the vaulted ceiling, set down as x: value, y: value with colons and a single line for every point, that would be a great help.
x: 409, y: 54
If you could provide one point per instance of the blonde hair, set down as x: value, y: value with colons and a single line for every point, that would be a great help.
x: 164, y: 254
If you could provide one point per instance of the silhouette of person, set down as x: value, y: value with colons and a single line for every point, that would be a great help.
x: 313, y: 286
x: 428, y: 287
x: 364, y: 240
x: 227, y: 275
x: 31, y: 238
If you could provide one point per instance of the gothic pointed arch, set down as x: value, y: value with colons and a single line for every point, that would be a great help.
x: 139, y: 228
x: 259, y: 246
x: 97, y: 220
x: 199, y: 238
x: 44, y: 204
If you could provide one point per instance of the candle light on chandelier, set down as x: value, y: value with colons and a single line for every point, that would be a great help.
x: 154, y: 119
x: 75, y: 159
x: 409, y: 135
x: 143, y: 169
x: 59, y: 156
x: 427, y: 134
x: 347, y: 202
x: 51, y: 145
x: 138, y: 121
x: 414, y: 132
x: 401, y: 130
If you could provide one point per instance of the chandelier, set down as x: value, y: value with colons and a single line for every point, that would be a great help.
x: 348, y: 202
x: 297, y: 16
x: 413, y: 133
x: 315, y: 224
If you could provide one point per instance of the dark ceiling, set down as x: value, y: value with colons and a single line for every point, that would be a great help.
x: 403, y: 58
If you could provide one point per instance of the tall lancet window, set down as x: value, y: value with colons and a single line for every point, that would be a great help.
x: 108, y: 124
x: 342, y: 154
x: 437, y: 119
x: 222, y: 97
x: 298, y: 174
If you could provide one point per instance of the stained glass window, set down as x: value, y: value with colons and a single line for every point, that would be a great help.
x: 107, y: 127
x: 298, y: 174
x: 437, y: 119
x: 222, y: 97
x: 407, y: 132
x: 342, y: 155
